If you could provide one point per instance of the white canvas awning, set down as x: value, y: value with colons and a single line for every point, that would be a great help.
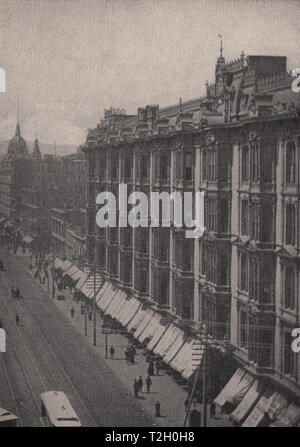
x: 256, y: 416
x: 146, y: 320
x: 193, y: 359
x: 166, y: 341
x: 137, y: 319
x: 58, y: 263
x: 151, y: 328
x: 157, y: 336
x: 174, y: 349
x: 290, y: 417
x: 132, y: 308
x: 247, y: 403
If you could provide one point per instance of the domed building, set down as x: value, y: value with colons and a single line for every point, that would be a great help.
x: 17, y: 147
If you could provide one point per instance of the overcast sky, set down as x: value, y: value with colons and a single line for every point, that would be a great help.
x: 70, y: 59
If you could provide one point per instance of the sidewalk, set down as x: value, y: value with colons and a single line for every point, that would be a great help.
x: 164, y: 388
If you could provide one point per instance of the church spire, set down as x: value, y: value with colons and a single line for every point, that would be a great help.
x: 36, y: 150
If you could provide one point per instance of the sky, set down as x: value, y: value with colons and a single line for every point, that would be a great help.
x: 69, y: 59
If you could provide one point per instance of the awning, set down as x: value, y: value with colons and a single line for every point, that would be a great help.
x: 277, y: 406
x: 71, y: 270
x: 114, y: 303
x: 65, y: 265
x: 91, y: 285
x: 76, y: 275
x: 106, y: 296
x: 27, y: 239
x: 194, y: 359
x: 7, y: 416
x: 101, y: 292
x: 81, y: 281
x: 151, y: 328
x: 179, y: 361
x: 157, y: 336
x: 58, y: 263
x: 167, y: 340
x: 143, y: 324
x: 230, y: 388
x: 123, y: 304
x: 137, y: 319
x: 290, y: 417
x: 132, y: 308
x: 247, y: 403
x: 174, y: 349
x: 257, y: 415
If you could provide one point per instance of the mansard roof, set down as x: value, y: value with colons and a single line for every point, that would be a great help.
x: 243, y: 88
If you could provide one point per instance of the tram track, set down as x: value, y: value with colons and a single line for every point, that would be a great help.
x: 31, y: 384
x: 51, y: 372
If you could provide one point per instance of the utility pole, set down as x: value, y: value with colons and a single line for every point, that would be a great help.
x: 205, y: 376
x: 204, y: 420
x: 94, y: 303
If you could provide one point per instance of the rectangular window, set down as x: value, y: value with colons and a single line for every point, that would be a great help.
x: 289, y: 288
x: 290, y: 162
x: 245, y: 216
x: 290, y: 224
x: 289, y: 360
x: 243, y: 329
x: 245, y: 163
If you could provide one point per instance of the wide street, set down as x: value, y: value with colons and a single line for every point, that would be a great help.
x: 46, y: 352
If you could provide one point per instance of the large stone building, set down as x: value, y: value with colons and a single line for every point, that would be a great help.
x: 32, y: 185
x: 240, y: 144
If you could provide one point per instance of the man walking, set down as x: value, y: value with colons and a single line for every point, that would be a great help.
x: 17, y: 319
x: 112, y: 352
x: 136, y: 388
x: 140, y: 383
x: 148, y: 383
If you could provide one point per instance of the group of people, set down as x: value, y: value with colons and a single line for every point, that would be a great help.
x: 138, y: 385
x: 130, y: 353
x: 154, y: 366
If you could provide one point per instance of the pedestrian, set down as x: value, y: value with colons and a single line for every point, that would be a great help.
x: 17, y: 292
x: 17, y: 319
x: 140, y: 383
x: 148, y: 383
x: 136, y: 388
x: 112, y: 352
x: 157, y: 367
x: 151, y: 368
x: 127, y: 356
x: 133, y: 353
x: 72, y: 312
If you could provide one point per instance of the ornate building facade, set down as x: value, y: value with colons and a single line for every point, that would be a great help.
x: 240, y: 145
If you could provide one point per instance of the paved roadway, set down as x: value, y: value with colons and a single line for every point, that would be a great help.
x: 46, y: 352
